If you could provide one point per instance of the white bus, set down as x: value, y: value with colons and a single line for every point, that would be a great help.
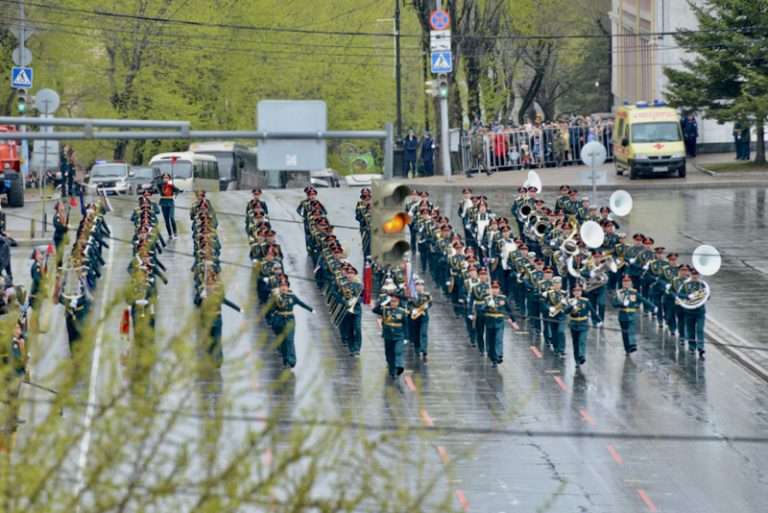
x: 238, y: 165
x: 189, y: 171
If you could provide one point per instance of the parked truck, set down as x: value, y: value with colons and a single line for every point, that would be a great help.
x: 11, y: 177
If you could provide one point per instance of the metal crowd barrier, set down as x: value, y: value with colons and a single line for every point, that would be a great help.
x: 537, y: 148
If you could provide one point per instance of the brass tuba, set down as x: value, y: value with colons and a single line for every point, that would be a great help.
x: 700, y: 297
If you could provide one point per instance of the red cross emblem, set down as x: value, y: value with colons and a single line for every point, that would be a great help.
x: 658, y: 146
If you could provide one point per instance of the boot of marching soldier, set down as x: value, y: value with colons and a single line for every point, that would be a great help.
x: 418, y: 323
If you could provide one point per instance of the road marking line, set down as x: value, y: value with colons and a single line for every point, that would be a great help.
x: 462, y: 499
x: 427, y: 419
x: 615, y: 454
x: 85, y: 444
x: 587, y: 417
x: 409, y: 382
x: 443, y: 454
x: 647, y: 500
x: 560, y: 382
x: 536, y: 351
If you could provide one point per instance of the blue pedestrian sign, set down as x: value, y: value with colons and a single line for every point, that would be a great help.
x: 21, y: 77
x: 442, y: 62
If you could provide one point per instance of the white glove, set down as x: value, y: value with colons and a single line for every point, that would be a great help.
x: 350, y: 302
x: 691, y: 296
x: 313, y: 311
x: 73, y: 303
x: 471, y: 317
x: 551, y: 309
x: 655, y: 309
x: 265, y: 280
x: 204, y: 294
x: 646, y: 266
x: 632, y: 260
x: 626, y: 302
x: 563, y: 301
x: 668, y: 286
x: 591, y: 274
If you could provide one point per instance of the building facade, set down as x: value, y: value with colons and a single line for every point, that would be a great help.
x: 643, y: 46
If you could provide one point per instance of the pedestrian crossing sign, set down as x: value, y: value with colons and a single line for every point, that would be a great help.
x: 442, y: 62
x: 21, y: 77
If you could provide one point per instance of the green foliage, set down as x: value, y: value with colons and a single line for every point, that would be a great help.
x: 726, y: 76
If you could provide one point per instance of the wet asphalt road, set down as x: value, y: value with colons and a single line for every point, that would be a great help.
x: 517, y: 438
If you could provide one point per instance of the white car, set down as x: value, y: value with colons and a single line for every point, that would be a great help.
x: 324, y: 178
x: 109, y: 177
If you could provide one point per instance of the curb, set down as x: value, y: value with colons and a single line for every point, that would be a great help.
x: 726, y: 175
x: 719, y: 334
x: 672, y: 185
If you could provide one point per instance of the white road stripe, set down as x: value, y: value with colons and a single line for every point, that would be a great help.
x: 85, y: 444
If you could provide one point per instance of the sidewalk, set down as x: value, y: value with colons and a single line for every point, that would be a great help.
x: 580, y: 176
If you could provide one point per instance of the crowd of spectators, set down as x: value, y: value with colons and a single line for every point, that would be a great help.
x: 536, y: 144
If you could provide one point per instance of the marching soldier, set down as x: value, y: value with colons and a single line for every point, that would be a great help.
x: 418, y: 325
x: 256, y: 203
x: 209, y: 298
x: 393, y: 321
x: 628, y: 300
x: 349, y: 295
x: 555, y: 302
x: 578, y: 308
x: 60, y: 229
x: 654, y: 275
x: 470, y: 283
x: 496, y: 309
x: 283, y: 321
x: 477, y: 296
x: 37, y: 271
x: 675, y: 314
x: 693, y: 290
x: 597, y: 295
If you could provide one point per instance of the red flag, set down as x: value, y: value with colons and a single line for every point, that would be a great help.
x: 367, y: 282
x: 72, y: 201
x: 125, y: 323
x: 50, y: 248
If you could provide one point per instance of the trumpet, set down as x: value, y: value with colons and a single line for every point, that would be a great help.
x: 419, y: 311
x: 524, y: 212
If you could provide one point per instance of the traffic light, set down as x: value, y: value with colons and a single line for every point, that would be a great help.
x: 442, y: 85
x: 431, y: 87
x: 22, y: 100
x: 389, y: 222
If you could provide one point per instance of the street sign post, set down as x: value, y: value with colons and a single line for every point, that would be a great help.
x: 594, y: 154
x: 21, y: 77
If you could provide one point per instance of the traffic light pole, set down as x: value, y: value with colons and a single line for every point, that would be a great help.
x: 445, y: 150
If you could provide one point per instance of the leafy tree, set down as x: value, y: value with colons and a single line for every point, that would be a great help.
x: 726, y: 76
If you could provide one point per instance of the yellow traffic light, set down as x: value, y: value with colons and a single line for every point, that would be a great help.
x: 389, y: 237
x: 397, y: 224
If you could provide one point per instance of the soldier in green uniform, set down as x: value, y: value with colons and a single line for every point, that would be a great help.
x: 60, y: 229
x: 394, y: 320
x: 676, y: 313
x: 555, y: 299
x: 37, y: 272
x: 418, y: 322
x: 578, y: 309
x: 350, y: 294
x: 628, y: 300
x: 654, y: 275
x: 694, y: 290
x: 283, y: 321
x: 496, y: 310
x: 209, y: 298
x: 477, y: 296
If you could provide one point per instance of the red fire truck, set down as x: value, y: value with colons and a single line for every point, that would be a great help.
x: 11, y: 178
